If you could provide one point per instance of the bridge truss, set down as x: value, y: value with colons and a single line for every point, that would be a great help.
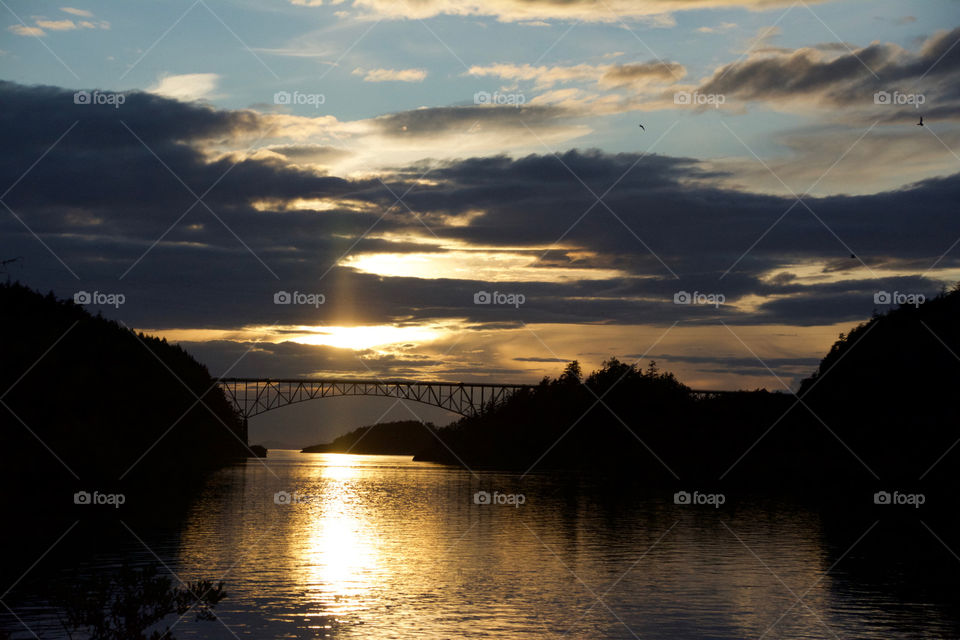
x: 253, y: 396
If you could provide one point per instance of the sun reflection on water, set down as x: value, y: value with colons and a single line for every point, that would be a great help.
x: 338, y: 559
x: 381, y: 547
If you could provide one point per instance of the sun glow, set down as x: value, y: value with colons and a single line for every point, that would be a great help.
x: 357, y: 338
x: 368, y: 337
x: 485, y: 266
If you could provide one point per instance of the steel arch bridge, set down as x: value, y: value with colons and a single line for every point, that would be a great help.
x: 253, y: 396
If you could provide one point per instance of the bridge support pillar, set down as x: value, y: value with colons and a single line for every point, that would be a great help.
x: 245, y: 434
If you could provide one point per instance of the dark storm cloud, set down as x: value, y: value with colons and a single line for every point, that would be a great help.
x: 850, y: 78
x: 117, y: 171
x: 698, y: 230
x: 31, y: 111
x: 100, y: 201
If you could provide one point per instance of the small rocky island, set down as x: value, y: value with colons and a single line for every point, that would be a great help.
x: 402, y: 438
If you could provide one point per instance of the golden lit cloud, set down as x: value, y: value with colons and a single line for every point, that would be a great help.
x: 187, y: 86
x: 23, y: 30
x: 357, y: 338
x: 485, y: 266
x: 391, y: 75
x: 654, y: 11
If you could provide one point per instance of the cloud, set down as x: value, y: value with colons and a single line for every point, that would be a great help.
x: 405, y: 137
x: 284, y: 359
x: 452, y: 131
x: 23, y: 30
x: 613, y: 75
x: 391, y: 75
x: 801, y: 78
x: 723, y: 26
x: 654, y: 11
x: 56, y: 25
x: 66, y: 24
x: 77, y: 12
x: 188, y: 86
x: 634, y: 74
x: 311, y: 153
x: 100, y: 24
x: 837, y: 158
x: 544, y: 76
x: 671, y: 226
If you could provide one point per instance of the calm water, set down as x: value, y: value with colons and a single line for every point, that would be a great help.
x: 383, y: 547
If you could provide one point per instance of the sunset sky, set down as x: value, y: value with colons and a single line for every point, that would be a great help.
x: 388, y: 161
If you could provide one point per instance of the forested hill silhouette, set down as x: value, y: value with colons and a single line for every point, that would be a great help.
x: 402, y: 437
x: 621, y: 419
x: 879, y: 409
x: 89, y: 396
x: 889, y: 387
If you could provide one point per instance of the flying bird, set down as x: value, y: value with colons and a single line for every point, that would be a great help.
x: 643, y: 127
x: 920, y: 124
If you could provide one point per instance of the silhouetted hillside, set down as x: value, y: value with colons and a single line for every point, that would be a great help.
x: 888, y: 390
x: 611, y: 419
x: 403, y: 437
x: 89, y: 397
x: 878, y: 410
